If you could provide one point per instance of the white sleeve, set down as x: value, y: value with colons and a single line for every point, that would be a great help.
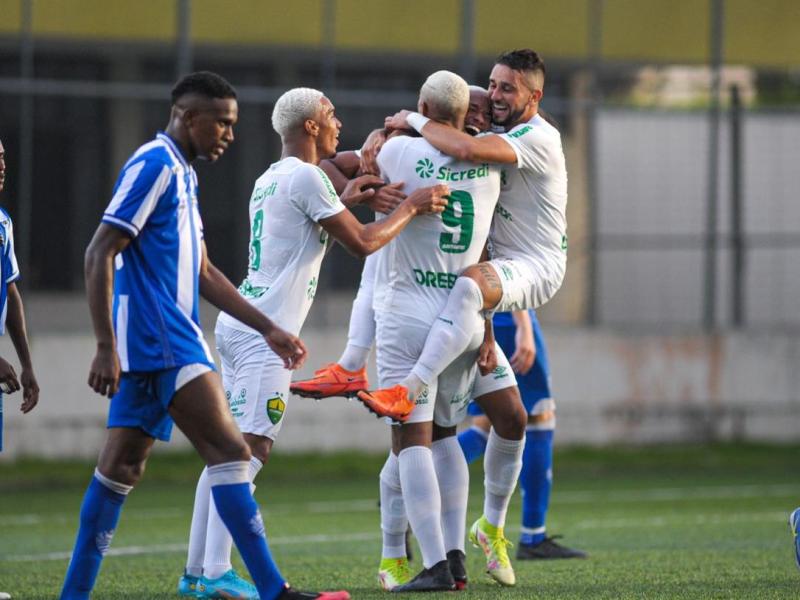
x: 532, y: 146
x: 312, y: 192
x: 389, y: 157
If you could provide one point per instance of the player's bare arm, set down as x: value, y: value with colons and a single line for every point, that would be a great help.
x: 460, y: 145
x: 98, y: 269
x: 525, y: 349
x: 217, y: 289
x: 15, y: 321
x: 362, y: 240
x: 487, y: 354
x: 344, y: 167
x: 8, y: 377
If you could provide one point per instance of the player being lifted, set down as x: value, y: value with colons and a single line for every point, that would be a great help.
x: 293, y: 210
x: 496, y: 393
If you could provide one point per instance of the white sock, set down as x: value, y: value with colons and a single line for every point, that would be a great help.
x: 197, y: 533
x: 452, y: 331
x: 423, y: 503
x: 393, y: 510
x: 219, y: 542
x: 354, y: 357
x: 453, y: 476
x: 502, y: 464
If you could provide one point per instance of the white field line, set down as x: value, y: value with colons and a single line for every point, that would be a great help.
x: 588, y: 524
x: 370, y: 504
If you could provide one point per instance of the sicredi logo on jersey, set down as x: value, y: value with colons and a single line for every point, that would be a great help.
x: 425, y: 169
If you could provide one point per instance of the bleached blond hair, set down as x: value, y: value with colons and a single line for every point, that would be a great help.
x: 293, y: 108
x: 445, y: 91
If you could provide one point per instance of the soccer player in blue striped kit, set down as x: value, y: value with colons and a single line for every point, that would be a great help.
x: 520, y: 337
x: 146, y: 267
x: 12, y: 316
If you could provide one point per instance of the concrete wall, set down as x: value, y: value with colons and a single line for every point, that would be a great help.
x: 610, y: 387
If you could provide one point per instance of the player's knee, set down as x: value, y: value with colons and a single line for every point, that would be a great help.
x: 511, y: 423
x: 484, y: 275
x: 127, y: 471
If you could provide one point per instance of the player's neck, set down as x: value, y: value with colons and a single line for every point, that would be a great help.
x: 305, y: 150
x: 181, y: 141
x: 523, y: 118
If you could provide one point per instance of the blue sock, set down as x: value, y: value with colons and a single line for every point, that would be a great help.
x: 241, y: 516
x: 473, y: 443
x: 535, y: 481
x: 98, y: 520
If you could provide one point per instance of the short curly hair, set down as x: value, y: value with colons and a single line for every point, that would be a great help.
x: 203, y: 83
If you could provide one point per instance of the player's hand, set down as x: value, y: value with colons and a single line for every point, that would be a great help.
x: 386, y: 198
x: 360, y: 189
x: 8, y: 377
x: 429, y: 200
x: 104, y: 372
x: 30, y: 390
x: 524, y: 353
x: 487, y: 357
x: 397, y: 120
x: 289, y: 347
x: 369, y: 152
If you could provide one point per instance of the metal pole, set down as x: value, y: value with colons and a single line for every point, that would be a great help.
x: 467, y: 42
x: 710, y: 273
x: 328, y: 62
x: 595, y: 29
x: 26, y: 134
x: 737, y: 229
x: 184, y: 58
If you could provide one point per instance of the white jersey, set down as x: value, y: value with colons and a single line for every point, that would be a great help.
x: 287, y: 244
x: 531, y: 221
x: 418, y: 268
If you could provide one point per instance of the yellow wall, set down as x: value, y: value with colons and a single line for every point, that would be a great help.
x: 9, y: 16
x: 105, y: 19
x: 758, y: 32
x: 656, y: 30
x: 280, y: 22
x: 554, y: 28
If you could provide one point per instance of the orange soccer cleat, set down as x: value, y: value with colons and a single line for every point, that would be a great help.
x: 391, y: 402
x: 332, y: 380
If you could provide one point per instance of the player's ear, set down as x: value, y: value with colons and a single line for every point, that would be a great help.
x: 311, y: 127
x: 422, y: 108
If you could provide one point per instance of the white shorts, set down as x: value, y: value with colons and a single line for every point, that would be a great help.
x: 525, y: 285
x: 256, y: 382
x: 399, y: 343
x: 462, y: 381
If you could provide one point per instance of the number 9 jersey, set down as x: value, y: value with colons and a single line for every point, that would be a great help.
x: 418, y: 268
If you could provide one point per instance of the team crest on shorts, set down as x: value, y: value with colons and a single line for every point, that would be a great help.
x: 500, y: 372
x: 275, y: 409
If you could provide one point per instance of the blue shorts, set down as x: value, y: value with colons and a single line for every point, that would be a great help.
x: 535, y: 385
x: 143, y: 398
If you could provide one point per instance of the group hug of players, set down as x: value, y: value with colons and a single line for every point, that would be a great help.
x: 470, y: 196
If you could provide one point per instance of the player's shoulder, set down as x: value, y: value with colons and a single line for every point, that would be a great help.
x: 155, y: 155
x: 536, y: 129
x: 307, y: 177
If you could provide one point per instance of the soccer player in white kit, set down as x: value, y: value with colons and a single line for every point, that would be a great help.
x: 293, y: 211
x: 414, y: 276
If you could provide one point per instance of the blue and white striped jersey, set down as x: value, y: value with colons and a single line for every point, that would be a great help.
x: 9, y: 271
x: 156, y: 285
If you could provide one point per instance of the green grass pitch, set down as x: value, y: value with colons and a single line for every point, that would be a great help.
x: 666, y: 522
